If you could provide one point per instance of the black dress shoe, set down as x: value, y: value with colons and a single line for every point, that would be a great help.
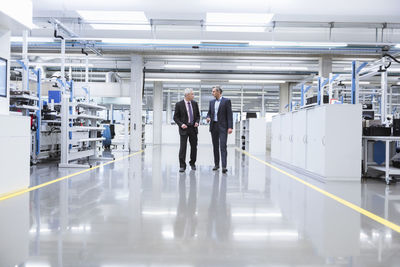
x: 181, y: 169
x: 193, y: 167
x: 224, y: 170
x: 215, y: 168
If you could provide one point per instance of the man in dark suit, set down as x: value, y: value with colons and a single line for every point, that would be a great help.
x: 221, y: 118
x: 187, y: 117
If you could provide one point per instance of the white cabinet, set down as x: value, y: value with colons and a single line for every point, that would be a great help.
x: 343, y: 135
x: 257, y: 132
x: 315, y: 154
x: 253, y: 137
x: 324, y: 140
x: 299, y: 138
x: 275, y: 137
x: 286, y: 140
x: 15, y: 143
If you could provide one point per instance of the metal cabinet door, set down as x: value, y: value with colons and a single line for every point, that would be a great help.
x: 299, y: 138
x: 315, y: 159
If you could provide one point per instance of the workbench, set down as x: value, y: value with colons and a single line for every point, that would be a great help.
x: 387, y: 169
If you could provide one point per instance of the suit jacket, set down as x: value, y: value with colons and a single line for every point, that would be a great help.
x: 181, y: 115
x: 224, y: 115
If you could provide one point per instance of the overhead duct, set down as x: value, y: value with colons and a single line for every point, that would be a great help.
x: 113, y: 77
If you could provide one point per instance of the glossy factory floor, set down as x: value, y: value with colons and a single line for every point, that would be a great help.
x: 141, y: 212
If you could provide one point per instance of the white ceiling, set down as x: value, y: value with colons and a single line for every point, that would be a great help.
x: 284, y: 10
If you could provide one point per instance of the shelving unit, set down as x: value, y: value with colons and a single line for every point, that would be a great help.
x: 143, y: 132
x: 238, y: 142
x: 79, y: 130
x: 45, y: 134
x: 24, y: 102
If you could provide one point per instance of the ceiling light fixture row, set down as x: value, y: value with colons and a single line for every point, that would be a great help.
x: 198, y: 80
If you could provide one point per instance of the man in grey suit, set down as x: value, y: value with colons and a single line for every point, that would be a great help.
x: 187, y: 117
x: 221, y: 118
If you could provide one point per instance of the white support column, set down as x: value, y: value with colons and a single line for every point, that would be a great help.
x: 330, y: 93
x: 283, y: 97
x: 112, y: 113
x: 126, y: 130
x: 70, y: 73
x: 241, y: 104
x: 86, y: 71
x: 200, y: 99
x: 384, y: 87
x: 25, y: 73
x: 136, y: 87
x: 169, y: 108
x: 263, y: 103
x: 157, y: 112
x: 241, y: 112
x: 63, y: 64
x: 325, y: 66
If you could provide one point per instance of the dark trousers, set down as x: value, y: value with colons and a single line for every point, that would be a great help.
x: 192, y: 135
x: 219, y: 140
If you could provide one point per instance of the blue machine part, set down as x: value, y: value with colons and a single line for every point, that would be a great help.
x: 55, y: 95
x: 107, y: 135
x: 379, y: 152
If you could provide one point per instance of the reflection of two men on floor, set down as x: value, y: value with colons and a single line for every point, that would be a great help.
x: 218, y: 221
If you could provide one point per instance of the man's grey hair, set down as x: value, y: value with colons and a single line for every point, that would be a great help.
x: 188, y: 91
x: 218, y: 88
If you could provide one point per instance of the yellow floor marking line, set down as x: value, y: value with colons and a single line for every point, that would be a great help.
x: 29, y: 189
x: 350, y: 205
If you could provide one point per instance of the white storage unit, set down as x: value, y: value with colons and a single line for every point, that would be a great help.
x: 253, y: 137
x: 14, y: 156
x: 276, y: 138
x: 323, y: 140
x: 299, y: 139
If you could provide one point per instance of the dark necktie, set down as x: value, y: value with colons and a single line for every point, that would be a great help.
x: 190, y: 113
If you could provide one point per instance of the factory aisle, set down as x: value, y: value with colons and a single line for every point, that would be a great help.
x: 141, y: 212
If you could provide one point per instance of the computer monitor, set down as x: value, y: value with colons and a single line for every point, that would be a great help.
x: 250, y: 115
x: 3, y: 77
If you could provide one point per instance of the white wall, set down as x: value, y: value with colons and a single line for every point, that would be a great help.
x: 5, y: 53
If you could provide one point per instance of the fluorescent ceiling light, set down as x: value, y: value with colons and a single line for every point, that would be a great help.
x: 54, y: 64
x: 316, y: 44
x: 113, y: 16
x: 348, y: 82
x: 388, y: 70
x: 238, y: 18
x: 271, y: 68
x: 256, y: 81
x: 122, y: 27
x: 151, y: 41
x: 19, y: 10
x: 170, y: 66
x: 393, y: 69
x: 171, y: 80
x: 18, y: 39
x: 234, y: 29
x: 297, y: 44
x: 360, y: 82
